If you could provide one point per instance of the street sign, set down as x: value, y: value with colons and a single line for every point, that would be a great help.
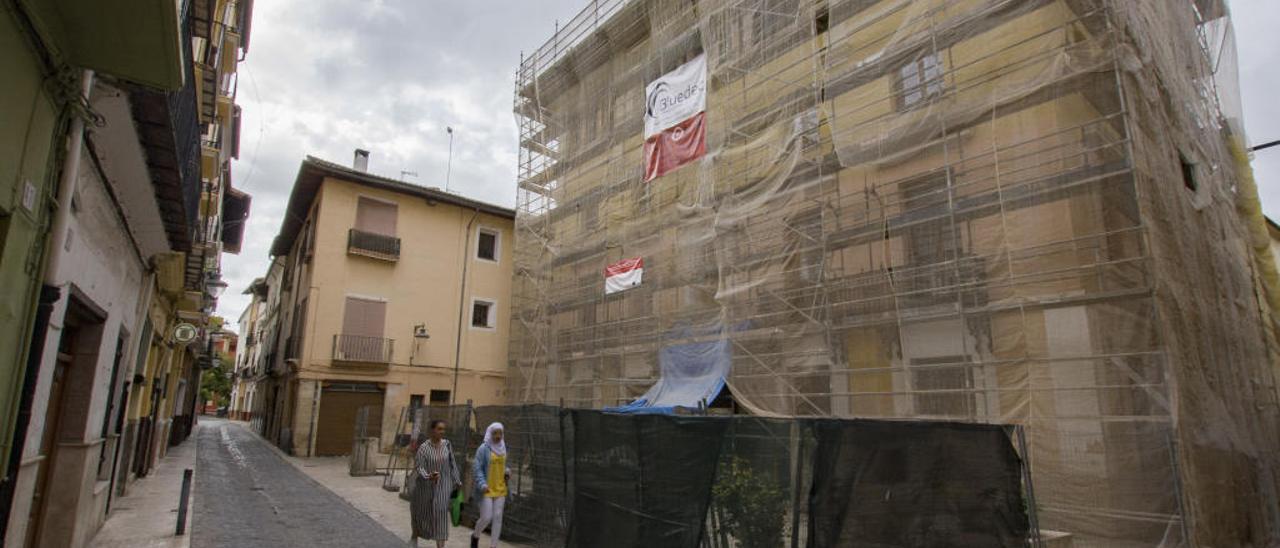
x: 184, y: 333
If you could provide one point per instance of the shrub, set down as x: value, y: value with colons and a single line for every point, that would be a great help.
x: 754, y: 508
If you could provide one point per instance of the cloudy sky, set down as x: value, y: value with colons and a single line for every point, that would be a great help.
x: 324, y: 77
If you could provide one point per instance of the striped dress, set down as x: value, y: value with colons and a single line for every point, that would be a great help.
x: 429, y: 505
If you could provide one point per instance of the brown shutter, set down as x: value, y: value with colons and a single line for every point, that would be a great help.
x: 376, y: 217
x: 364, y: 317
x: 339, y: 408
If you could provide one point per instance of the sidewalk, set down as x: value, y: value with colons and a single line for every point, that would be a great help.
x: 366, y: 495
x: 147, y: 517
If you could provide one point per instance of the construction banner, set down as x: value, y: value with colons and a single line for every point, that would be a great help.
x: 674, y: 116
x: 623, y: 275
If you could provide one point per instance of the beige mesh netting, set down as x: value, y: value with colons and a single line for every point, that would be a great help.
x: 1007, y: 211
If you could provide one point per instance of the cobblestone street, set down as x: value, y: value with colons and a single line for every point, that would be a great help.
x: 246, y: 495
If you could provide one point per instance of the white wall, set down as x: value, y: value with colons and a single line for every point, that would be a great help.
x: 101, y: 262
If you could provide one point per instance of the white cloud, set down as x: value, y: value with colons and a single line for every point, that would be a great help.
x: 1255, y: 21
x: 324, y: 77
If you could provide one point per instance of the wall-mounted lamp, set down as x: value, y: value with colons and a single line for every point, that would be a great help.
x: 215, y: 287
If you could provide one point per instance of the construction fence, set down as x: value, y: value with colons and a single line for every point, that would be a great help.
x: 584, y: 478
x: 985, y: 211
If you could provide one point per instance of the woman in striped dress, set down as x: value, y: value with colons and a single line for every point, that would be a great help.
x: 437, y: 479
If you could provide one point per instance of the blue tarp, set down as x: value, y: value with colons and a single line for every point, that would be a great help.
x: 689, y: 374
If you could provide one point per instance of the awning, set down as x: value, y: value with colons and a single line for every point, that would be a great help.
x: 691, y: 375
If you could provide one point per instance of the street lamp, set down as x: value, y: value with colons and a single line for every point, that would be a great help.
x: 215, y: 287
x: 210, y: 359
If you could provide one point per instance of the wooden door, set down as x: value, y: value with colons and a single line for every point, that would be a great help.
x: 48, y: 445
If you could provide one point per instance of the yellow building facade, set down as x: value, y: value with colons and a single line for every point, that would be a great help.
x: 951, y: 210
x: 393, y: 296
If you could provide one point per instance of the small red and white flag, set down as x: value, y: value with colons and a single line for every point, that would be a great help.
x: 674, y: 119
x: 623, y: 275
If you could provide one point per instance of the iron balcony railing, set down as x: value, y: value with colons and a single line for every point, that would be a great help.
x: 359, y: 348
x: 185, y: 122
x: 370, y: 244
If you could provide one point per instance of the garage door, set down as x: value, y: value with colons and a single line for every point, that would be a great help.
x: 339, y: 405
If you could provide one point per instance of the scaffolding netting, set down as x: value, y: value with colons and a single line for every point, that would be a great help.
x: 587, y: 478
x: 988, y: 211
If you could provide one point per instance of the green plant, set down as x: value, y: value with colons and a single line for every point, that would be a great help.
x: 754, y: 508
x: 215, y: 385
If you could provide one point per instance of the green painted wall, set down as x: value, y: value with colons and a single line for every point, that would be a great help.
x: 29, y: 131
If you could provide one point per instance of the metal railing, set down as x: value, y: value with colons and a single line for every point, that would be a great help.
x: 370, y: 244
x: 359, y: 348
x: 184, y: 119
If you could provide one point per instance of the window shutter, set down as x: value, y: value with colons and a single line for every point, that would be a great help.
x: 376, y: 217
x: 364, y: 317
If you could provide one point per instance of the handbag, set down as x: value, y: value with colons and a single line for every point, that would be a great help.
x: 455, y: 499
x: 455, y: 508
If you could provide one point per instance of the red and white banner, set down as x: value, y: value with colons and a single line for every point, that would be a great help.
x: 674, y: 119
x: 623, y: 275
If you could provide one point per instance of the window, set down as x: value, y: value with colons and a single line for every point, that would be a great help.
x: 804, y: 234
x: 112, y: 437
x: 376, y: 216
x: 943, y: 386
x: 927, y: 204
x: 482, y: 313
x: 590, y: 215
x: 309, y: 240
x: 364, y: 317
x: 598, y: 121
x: 919, y: 80
x: 361, y: 340
x: 934, y: 240
x: 374, y: 235
x: 294, y: 347
x: 487, y: 245
x: 742, y: 31
x: 1188, y: 174
x: 440, y: 397
x: 415, y: 401
x: 822, y: 21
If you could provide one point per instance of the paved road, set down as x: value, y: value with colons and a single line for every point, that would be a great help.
x: 246, y: 495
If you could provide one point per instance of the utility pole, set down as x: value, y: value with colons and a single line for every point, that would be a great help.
x: 448, y: 170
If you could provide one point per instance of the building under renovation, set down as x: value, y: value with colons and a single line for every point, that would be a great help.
x: 1031, y: 212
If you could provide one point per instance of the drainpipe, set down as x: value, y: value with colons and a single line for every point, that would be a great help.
x: 66, y: 190
x: 462, y: 301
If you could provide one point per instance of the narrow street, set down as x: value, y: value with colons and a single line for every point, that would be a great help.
x: 246, y: 495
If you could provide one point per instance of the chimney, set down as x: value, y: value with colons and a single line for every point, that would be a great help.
x: 361, y: 163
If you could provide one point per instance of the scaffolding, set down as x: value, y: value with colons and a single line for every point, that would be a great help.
x: 998, y: 211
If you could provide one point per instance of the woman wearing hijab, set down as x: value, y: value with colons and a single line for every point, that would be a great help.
x: 437, y: 478
x: 490, y: 472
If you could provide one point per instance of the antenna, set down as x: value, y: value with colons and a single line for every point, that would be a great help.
x: 404, y: 174
x: 448, y: 170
